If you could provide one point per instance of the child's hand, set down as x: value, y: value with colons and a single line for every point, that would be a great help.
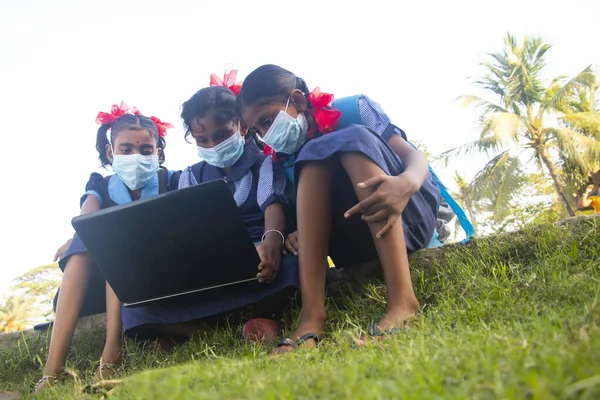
x: 387, y: 202
x: 61, y: 250
x: 291, y: 244
x: 270, y: 258
x: 589, y: 189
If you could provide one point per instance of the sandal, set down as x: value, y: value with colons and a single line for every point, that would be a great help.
x: 47, y: 381
x: 374, y: 330
x: 108, y: 372
x: 261, y: 330
x: 295, y: 345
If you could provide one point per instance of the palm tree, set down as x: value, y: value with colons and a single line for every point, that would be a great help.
x: 527, y: 120
x: 40, y: 283
x: 581, y: 109
x: 465, y: 197
x: 15, y: 313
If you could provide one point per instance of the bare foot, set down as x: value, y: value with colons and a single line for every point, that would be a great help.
x: 395, y: 318
x: 112, y: 356
x: 308, y: 325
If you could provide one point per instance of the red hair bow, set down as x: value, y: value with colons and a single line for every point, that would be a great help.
x: 325, y: 116
x: 161, y: 126
x: 115, y: 112
x: 228, y: 81
x: 118, y: 111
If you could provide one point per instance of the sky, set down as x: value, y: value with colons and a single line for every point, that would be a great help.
x: 63, y: 61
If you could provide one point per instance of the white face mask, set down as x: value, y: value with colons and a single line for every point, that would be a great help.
x: 287, y: 134
x: 226, y: 153
x: 135, y: 169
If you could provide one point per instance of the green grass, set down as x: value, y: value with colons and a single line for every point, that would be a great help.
x: 511, y: 317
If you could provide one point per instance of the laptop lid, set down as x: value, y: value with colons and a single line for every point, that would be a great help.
x: 174, y: 243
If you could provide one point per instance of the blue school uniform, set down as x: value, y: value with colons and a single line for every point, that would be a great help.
x: 110, y: 191
x: 255, y: 182
x: 351, y: 242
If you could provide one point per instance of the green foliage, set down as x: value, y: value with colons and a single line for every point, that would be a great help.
x: 40, y: 284
x: 15, y: 313
x: 422, y: 147
x: 555, y: 125
x: 510, y: 316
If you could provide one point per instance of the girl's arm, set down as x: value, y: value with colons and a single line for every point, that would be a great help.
x: 392, y: 192
x: 275, y: 221
x: 270, y: 249
x: 90, y: 204
x: 585, y: 201
x: 61, y: 250
x: 416, y: 166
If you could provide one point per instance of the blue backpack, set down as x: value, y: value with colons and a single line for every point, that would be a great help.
x: 349, y: 108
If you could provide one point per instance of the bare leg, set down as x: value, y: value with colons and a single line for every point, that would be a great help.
x: 402, y: 301
x: 314, y: 227
x: 112, y: 348
x: 70, y: 300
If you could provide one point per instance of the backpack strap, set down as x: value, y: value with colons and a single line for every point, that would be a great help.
x: 163, y: 179
x: 460, y: 214
x: 255, y: 168
x: 198, y: 171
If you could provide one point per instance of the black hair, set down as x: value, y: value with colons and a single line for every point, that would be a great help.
x: 270, y: 82
x: 218, y: 100
x: 127, y: 121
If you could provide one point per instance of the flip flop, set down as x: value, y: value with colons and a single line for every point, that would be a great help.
x: 295, y: 345
x: 47, y: 381
x: 261, y: 330
x: 107, y: 371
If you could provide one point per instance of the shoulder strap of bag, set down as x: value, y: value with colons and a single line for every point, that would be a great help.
x: 163, y: 178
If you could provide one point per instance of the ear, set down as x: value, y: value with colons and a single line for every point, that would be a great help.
x: 159, y: 151
x: 299, y: 100
x: 109, y: 153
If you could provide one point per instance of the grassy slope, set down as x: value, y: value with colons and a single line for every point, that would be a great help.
x: 509, y: 317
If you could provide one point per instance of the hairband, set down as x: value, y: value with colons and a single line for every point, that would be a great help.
x: 117, y: 111
x: 228, y: 81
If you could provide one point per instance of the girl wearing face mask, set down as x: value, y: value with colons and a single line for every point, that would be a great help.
x: 260, y: 190
x: 360, y: 197
x: 135, y: 152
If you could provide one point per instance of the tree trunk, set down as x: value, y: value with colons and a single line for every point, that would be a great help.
x: 552, y: 170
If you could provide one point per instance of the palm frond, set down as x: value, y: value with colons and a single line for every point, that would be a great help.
x: 577, y: 152
x: 588, y: 122
x: 502, y: 128
x: 468, y: 100
x: 558, y: 99
x: 569, y: 140
x: 498, y: 182
x: 476, y: 146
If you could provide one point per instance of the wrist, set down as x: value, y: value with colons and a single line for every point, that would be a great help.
x: 273, y: 237
x: 411, y: 182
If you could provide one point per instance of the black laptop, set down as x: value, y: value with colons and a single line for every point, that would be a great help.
x: 174, y: 244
